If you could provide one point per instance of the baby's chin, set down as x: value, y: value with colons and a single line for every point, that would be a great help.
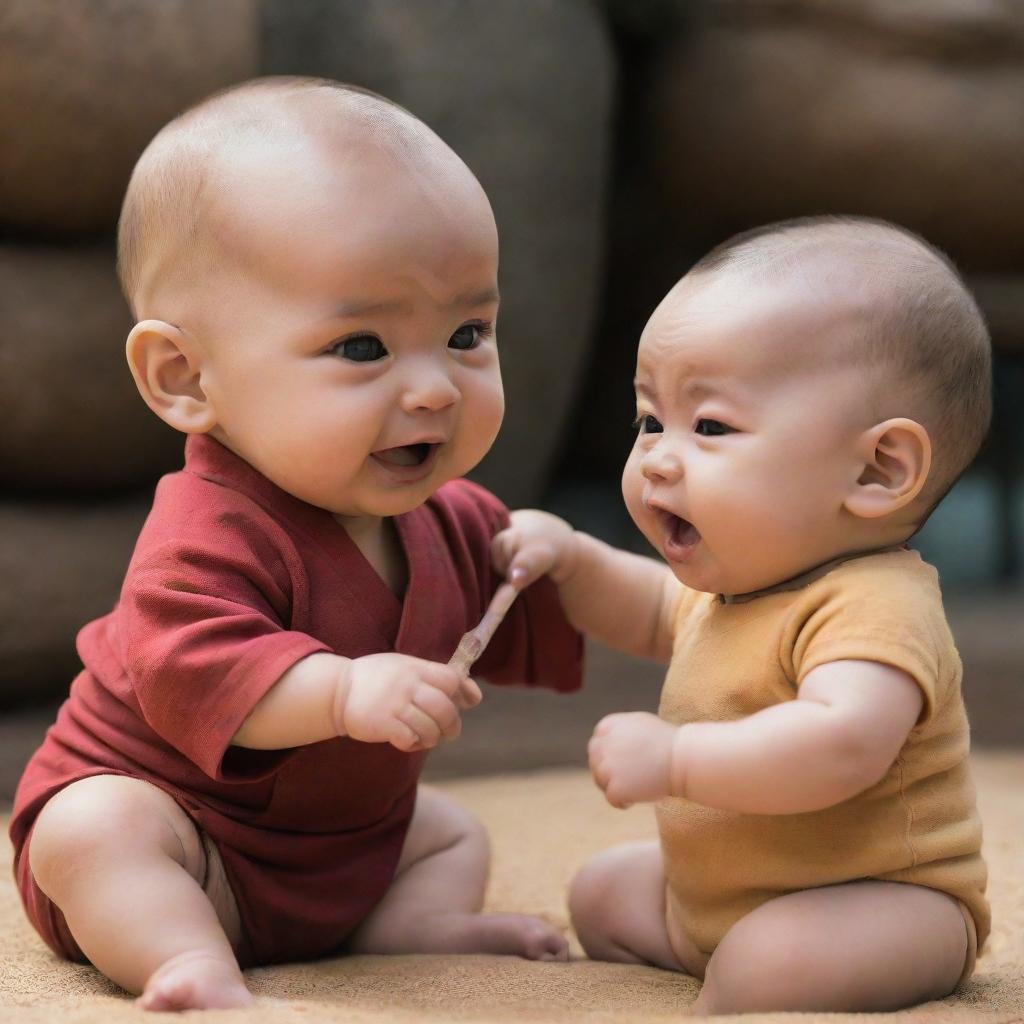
x: 387, y: 504
x: 378, y: 508
x: 708, y: 577
x: 742, y: 581
x: 694, y: 579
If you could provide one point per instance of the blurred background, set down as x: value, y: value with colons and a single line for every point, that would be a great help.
x: 618, y: 140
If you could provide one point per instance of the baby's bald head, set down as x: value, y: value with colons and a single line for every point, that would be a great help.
x: 917, y: 331
x: 185, y: 208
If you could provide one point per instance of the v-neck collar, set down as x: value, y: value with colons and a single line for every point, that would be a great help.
x: 206, y: 457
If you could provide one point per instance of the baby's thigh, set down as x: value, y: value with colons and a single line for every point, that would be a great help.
x: 617, y: 904
x: 862, y: 946
x: 114, y: 822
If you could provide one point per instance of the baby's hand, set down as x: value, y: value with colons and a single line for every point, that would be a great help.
x: 534, y: 544
x: 408, y: 702
x: 631, y: 757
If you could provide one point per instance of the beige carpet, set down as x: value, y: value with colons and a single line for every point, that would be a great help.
x: 543, y: 825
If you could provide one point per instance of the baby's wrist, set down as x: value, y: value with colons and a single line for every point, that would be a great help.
x: 679, y: 760
x: 341, y: 693
x: 570, y: 559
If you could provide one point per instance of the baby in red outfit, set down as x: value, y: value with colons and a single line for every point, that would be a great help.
x: 233, y: 779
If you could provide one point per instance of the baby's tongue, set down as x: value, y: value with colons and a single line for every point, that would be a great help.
x: 684, y: 532
x: 407, y: 455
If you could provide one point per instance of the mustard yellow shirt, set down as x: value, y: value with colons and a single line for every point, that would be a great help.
x: 733, y: 657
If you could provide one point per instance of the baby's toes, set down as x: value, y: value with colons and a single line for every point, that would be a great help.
x: 195, y: 980
x: 543, y: 942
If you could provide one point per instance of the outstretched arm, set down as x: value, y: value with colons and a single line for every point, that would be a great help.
x: 624, y: 600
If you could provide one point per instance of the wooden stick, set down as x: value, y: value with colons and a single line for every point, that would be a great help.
x: 472, y: 644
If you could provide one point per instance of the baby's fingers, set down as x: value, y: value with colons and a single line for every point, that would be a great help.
x: 530, y: 563
x: 616, y: 799
x: 602, y: 774
x: 426, y: 731
x: 468, y: 694
x: 598, y: 763
x: 449, y: 681
x: 405, y: 738
x: 521, y: 560
x: 440, y: 710
x: 504, y: 546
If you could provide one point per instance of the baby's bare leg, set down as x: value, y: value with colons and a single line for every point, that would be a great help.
x: 617, y: 903
x: 124, y: 862
x: 433, y: 905
x: 847, y: 948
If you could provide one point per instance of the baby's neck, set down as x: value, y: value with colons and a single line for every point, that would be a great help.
x: 378, y: 541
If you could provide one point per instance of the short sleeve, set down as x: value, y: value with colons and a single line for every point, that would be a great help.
x: 535, y: 645
x: 203, y: 626
x: 890, y: 613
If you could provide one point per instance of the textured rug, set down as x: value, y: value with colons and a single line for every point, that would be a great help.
x: 543, y: 825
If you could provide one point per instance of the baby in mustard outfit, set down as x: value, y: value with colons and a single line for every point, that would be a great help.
x: 806, y: 395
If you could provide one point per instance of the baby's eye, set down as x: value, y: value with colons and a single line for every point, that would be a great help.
x: 469, y: 336
x: 712, y: 428
x: 647, y: 425
x: 363, y: 348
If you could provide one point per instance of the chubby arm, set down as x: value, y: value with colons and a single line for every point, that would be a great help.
x: 837, y: 738
x: 840, y: 736
x: 624, y: 600
x: 381, y: 698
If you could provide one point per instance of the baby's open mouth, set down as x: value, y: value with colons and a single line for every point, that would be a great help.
x: 681, y: 536
x: 406, y: 454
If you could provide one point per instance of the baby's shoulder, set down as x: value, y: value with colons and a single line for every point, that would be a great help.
x: 884, y: 607
x: 191, y: 504
x: 886, y: 593
x: 892, y: 576
x: 195, y: 518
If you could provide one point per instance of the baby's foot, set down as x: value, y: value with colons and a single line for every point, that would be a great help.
x: 196, y: 980
x: 509, y: 934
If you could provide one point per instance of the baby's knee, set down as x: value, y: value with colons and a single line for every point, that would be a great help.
x: 439, y: 823
x: 455, y: 823
x: 595, y: 899
x: 587, y: 890
x: 741, y: 982
x: 93, y: 821
x: 757, y: 969
x: 588, y: 910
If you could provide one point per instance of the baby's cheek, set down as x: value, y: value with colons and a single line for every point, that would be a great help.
x: 632, y: 485
x: 485, y: 406
x: 640, y: 515
x: 724, y: 495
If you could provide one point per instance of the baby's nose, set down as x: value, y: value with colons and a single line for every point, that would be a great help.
x: 429, y: 388
x: 661, y: 463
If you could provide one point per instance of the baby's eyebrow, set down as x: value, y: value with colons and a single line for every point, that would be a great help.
x: 362, y: 308
x: 700, y: 389
x: 346, y: 309
x: 482, y: 298
x: 692, y: 389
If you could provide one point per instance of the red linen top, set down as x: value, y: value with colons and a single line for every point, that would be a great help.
x: 233, y: 581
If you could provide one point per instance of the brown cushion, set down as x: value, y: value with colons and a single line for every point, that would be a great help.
x: 84, y: 86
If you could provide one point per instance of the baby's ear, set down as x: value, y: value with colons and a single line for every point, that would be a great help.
x: 896, y: 456
x: 166, y: 366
